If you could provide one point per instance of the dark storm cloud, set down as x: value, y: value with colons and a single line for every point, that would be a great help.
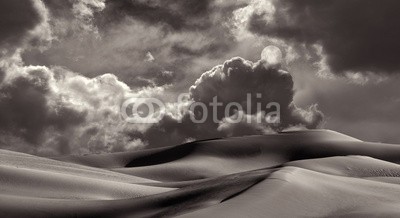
x: 93, y: 40
x: 204, y: 17
x: 237, y: 78
x: 189, y: 14
x: 213, y: 49
x: 24, y: 109
x: 232, y: 82
x: 17, y: 18
x: 356, y: 35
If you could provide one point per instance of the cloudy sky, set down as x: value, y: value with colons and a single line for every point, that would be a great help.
x: 66, y: 66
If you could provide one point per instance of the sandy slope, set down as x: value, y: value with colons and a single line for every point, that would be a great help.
x: 309, y: 173
x: 293, y: 191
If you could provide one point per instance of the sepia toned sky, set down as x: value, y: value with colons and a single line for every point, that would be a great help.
x: 66, y: 66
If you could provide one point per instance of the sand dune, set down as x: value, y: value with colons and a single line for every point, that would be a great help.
x: 317, y: 173
x: 298, y: 192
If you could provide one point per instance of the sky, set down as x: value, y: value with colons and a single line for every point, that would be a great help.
x: 67, y: 66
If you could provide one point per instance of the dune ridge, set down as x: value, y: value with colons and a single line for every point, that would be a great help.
x: 318, y: 173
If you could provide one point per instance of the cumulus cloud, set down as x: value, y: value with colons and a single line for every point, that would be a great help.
x: 55, y: 111
x: 252, y: 87
x: 237, y: 78
x: 356, y: 36
x: 24, y: 109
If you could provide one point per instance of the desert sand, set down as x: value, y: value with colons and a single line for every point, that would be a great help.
x: 316, y: 173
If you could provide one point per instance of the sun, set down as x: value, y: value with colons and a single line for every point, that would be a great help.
x: 271, y: 56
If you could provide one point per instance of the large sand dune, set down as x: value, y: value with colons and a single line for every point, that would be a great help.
x: 316, y: 173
